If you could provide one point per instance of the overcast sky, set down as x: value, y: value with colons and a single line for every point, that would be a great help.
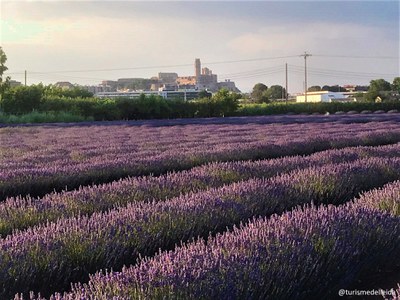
x: 247, y: 42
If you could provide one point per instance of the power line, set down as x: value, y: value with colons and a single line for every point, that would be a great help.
x: 57, y: 75
x: 113, y: 69
x: 250, y: 60
x: 253, y: 73
x: 208, y: 63
x: 357, y: 56
x: 333, y: 72
x: 159, y: 67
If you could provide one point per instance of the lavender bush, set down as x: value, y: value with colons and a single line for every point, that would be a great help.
x: 37, y: 160
x: 308, y: 253
x: 386, y: 198
x: 20, y: 213
x: 46, y: 258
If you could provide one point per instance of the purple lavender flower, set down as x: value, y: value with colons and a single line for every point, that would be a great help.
x: 46, y: 257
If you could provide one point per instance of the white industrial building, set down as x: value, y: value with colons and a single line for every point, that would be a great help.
x: 182, y: 94
x: 324, y: 96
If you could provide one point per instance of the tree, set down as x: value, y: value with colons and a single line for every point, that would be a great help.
x: 258, y: 93
x: 4, y: 82
x: 275, y: 92
x: 333, y: 88
x: 314, y: 88
x: 226, y: 102
x: 75, y: 92
x: 378, y: 88
x: 204, y: 94
x: 379, y: 85
x: 396, y: 84
x: 22, y: 99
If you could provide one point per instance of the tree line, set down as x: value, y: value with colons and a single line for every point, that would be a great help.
x: 77, y: 101
x: 381, y: 88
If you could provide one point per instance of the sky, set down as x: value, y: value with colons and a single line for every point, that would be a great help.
x: 85, y: 42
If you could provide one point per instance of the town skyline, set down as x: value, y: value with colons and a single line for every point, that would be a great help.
x: 350, y: 42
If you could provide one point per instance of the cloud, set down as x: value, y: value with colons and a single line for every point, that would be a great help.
x: 322, y: 37
x: 101, y: 35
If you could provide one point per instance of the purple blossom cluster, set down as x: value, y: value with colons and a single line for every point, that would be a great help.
x: 37, y: 160
x: 386, y: 198
x: 47, y: 258
x: 307, y: 253
x: 23, y: 212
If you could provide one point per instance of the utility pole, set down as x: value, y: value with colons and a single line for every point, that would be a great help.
x: 286, y: 84
x: 25, y: 77
x: 305, y: 55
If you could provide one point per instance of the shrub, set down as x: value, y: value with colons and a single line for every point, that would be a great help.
x: 22, y: 99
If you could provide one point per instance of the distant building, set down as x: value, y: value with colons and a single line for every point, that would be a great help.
x: 14, y: 83
x: 229, y: 85
x: 186, y: 80
x: 64, y: 84
x: 180, y: 94
x: 110, y: 84
x: 324, y: 96
x: 135, y: 84
x: 167, y: 78
x: 95, y: 89
x: 350, y: 87
x: 168, y: 87
x: 197, y: 67
x: 203, y: 79
x: 155, y: 86
x: 206, y: 71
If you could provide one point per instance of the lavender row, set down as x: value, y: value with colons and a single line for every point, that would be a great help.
x: 46, y: 258
x: 20, y: 213
x: 38, y: 160
x: 242, y: 120
x: 386, y: 198
x: 304, y: 254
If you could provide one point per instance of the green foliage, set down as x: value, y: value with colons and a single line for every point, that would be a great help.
x: 228, y: 102
x: 378, y: 88
x: 396, y: 84
x: 262, y: 94
x: 4, y: 82
x: 3, y: 59
x: 21, y: 99
x: 333, y: 88
x: 275, y: 92
x: 379, y: 85
x: 204, y: 94
x: 258, y: 93
x: 42, y: 117
x: 314, y: 88
x: 309, y: 108
x: 144, y: 107
x: 222, y: 103
x: 25, y: 99
x: 75, y: 92
x: 40, y: 103
x: 359, y: 97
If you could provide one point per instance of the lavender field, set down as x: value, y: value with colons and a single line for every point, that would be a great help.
x: 236, y: 208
